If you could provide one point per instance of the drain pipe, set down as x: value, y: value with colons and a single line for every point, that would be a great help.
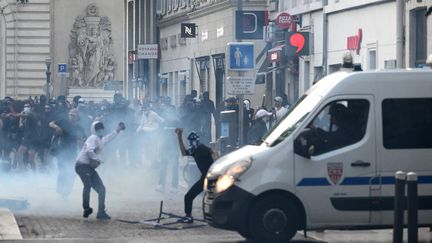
x: 399, y: 33
x: 325, y: 42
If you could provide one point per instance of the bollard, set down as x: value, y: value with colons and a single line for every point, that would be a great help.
x: 399, y: 207
x: 412, y: 205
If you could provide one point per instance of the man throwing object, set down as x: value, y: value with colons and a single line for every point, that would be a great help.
x: 204, y: 157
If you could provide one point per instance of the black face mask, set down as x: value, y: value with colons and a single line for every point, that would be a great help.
x: 194, y: 144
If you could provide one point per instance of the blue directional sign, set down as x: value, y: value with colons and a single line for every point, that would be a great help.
x: 62, y: 71
x: 241, y: 56
x: 62, y: 68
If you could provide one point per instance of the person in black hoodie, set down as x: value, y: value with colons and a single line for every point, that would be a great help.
x: 69, y: 136
x: 204, y: 157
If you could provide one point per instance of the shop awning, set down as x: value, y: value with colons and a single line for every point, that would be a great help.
x: 277, y: 48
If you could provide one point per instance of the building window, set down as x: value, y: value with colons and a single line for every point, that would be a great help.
x: 169, y: 5
x: 159, y: 7
x: 418, y: 37
x: 334, y: 68
x: 318, y: 74
x: 163, y: 6
x: 164, y: 43
x: 372, y: 59
x: 173, y: 41
x: 203, y: 69
x: 407, y: 123
x: 175, y: 5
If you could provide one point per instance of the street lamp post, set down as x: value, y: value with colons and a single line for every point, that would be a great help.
x: 48, y: 62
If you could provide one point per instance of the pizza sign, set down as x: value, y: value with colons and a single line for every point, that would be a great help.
x: 284, y: 20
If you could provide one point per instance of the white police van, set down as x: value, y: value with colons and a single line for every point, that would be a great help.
x: 330, y: 163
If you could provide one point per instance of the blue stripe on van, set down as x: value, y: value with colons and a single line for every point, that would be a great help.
x: 424, y: 180
x: 314, y: 182
x: 357, y: 181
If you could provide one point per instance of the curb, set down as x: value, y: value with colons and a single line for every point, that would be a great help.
x: 9, y: 229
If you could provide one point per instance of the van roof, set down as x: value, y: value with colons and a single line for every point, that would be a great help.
x: 395, y: 82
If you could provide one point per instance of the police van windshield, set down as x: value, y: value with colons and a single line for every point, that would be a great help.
x: 292, y: 120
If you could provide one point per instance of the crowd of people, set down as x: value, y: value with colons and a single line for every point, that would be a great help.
x: 40, y: 135
x: 37, y: 132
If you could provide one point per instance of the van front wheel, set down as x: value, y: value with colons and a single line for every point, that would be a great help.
x: 274, y: 219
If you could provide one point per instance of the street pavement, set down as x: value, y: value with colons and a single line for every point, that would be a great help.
x: 131, y: 196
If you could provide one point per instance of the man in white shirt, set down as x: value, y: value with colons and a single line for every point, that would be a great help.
x: 279, y: 110
x: 87, y: 161
x: 150, y: 120
x: 148, y: 126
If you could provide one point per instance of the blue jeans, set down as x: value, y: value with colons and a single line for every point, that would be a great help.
x: 90, y: 178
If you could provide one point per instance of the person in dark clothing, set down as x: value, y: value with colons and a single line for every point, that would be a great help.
x: 69, y: 136
x: 31, y: 125
x: 9, y: 134
x: 207, y: 110
x: 248, y: 114
x: 258, y: 128
x: 188, y: 114
x: 204, y: 157
x: 47, y: 134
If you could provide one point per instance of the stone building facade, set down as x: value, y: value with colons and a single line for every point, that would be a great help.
x: 88, y: 36
x: 199, y: 63
x: 370, y: 25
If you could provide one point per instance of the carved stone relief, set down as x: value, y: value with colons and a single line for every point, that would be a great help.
x: 91, y: 56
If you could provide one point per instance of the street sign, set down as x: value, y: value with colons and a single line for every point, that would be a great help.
x: 113, y: 85
x: 250, y: 24
x: 62, y: 70
x: 241, y: 56
x: 240, y: 85
x: 297, y: 43
x: 286, y: 21
x: 188, y: 30
x: 148, y: 51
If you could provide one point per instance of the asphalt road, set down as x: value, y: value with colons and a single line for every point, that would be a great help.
x: 131, y: 196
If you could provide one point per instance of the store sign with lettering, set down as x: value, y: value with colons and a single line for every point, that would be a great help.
x: 354, y: 42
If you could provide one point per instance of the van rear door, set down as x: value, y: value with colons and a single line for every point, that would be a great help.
x: 405, y: 144
x: 335, y: 162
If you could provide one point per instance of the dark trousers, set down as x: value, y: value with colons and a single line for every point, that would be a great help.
x: 90, y: 178
x: 193, y: 192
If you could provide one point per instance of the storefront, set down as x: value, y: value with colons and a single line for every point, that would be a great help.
x: 372, y: 42
x: 200, y: 59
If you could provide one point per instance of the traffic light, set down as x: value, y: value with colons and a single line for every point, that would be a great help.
x: 297, y: 43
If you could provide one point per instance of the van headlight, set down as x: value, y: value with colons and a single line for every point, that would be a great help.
x: 232, y: 174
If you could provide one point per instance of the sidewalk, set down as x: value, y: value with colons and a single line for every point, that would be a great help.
x: 365, y: 235
x: 9, y: 229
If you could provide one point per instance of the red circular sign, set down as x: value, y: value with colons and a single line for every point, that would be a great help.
x: 283, y: 20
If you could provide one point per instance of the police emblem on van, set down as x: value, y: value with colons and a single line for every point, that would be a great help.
x: 335, y: 171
